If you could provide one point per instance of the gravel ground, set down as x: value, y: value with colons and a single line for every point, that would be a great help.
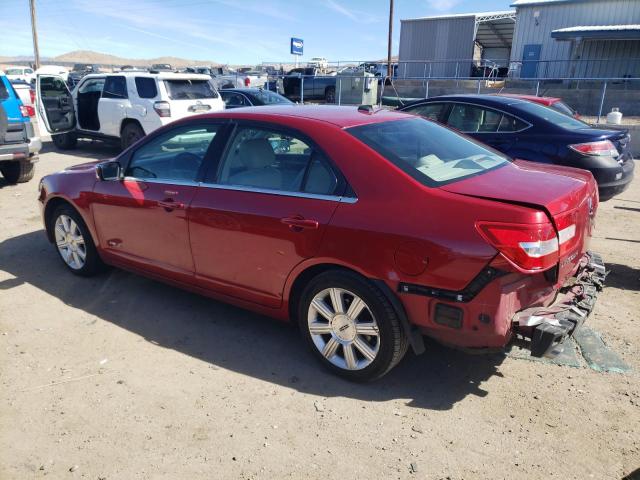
x: 120, y: 377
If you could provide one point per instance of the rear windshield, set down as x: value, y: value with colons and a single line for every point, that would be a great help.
x: 562, y: 108
x: 430, y: 153
x: 268, y: 98
x: 190, y: 89
x: 553, y: 116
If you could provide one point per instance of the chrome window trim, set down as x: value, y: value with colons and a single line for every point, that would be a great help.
x: 283, y: 193
x: 453, y: 102
x: 243, y: 188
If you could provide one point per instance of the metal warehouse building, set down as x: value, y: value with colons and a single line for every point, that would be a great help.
x: 541, y: 39
x: 445, y: 45
x: 577, y: 38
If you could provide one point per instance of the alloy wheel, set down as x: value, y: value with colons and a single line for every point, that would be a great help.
x: 343, y: 329
x: 70, y: 242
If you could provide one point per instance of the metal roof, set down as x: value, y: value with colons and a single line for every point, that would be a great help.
x: 603, y: 32
x: 523, y: 3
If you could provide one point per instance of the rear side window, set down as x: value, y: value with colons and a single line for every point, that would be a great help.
x: 146, y: 87
x: 4, y: 94
x: 190, y: 89
x: 511, y: 124
x: 115, y: 87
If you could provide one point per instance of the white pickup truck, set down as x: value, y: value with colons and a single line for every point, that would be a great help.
x: 243, y: 77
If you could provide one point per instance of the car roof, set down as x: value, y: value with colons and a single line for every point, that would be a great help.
x: 160, y: 75
x: 491, y: 99
x: 246, y: 90
x: 339, y: 116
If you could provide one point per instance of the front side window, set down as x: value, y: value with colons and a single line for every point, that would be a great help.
x: 233, y: 100
x: 432, y: 111
x: 146, y: 87
x: 53, y: 87
x: 272, y: 160
x: 190, y: 89
x: 426, y: 151
x: 115, y: 87
x: 93, y: 85
x: 175, y: 155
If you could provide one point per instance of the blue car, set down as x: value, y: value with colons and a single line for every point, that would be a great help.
x: 19, y: 145
x: 529, y: 131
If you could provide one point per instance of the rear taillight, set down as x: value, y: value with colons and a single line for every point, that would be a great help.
x: 600, y: 148
x: 163, y: 109
x: 27, y: 111
x: 530, y: 247
x: 32, y: 95
x: 247, y: 81
x: 566, y: 225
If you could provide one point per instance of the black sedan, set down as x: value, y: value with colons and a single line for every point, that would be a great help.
x: 247, y: 97
x: 529, y: 131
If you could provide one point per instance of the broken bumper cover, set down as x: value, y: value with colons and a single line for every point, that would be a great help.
x: 548, y: 327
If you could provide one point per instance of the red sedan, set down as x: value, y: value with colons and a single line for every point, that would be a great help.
x: 369, y: 228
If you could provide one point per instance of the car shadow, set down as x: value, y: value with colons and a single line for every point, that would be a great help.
x: 91, y: 149
x: 235, y: 339
x: 622, y: 276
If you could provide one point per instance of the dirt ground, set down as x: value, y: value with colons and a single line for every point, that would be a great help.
x: 120, y: 377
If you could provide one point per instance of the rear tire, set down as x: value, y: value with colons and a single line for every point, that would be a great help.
x: 65, y: 141
x: 18, y: 172
x: 362, y: 338
x: 131, y: 133
x: 73, y: 242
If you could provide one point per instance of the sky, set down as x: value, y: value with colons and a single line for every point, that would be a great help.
x: 224, y: 31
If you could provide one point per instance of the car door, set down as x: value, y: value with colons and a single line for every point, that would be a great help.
x: 55, y: 104
x: 141, y: 219
x: 113, y: 105
x: 261, y: 212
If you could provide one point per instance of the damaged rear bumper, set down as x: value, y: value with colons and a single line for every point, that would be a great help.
x: 548, y: 327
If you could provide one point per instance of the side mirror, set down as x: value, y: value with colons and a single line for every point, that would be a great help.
x: 109, y: 171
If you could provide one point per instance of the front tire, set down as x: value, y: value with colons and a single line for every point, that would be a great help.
x: 18, y: 172
x: 131, y: 133
x: 73, y: 242
x: 350, y: 326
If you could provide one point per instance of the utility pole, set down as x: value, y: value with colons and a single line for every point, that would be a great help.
x: 389, y: 67
x: 34, y: 32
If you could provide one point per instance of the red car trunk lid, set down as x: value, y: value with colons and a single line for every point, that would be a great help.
x: 567, y: 195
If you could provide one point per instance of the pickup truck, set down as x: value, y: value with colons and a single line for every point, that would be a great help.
x: 317, y: 85
x: 243, y: 78
x: 19, y: 146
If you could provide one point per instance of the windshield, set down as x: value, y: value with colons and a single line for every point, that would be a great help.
x: 430, y: 153
x: 563, y: 108
x: 190, y: 89
x: 14, y: 71
x: 552, y: 116
x: 268, y: 98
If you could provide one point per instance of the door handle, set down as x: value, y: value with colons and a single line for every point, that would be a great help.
x: 299, y: 223
x: 170, y: 205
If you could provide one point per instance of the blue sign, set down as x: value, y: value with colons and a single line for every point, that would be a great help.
x: 297, y: 45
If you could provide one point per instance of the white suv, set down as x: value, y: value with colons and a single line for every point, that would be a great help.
x: 123, y: 106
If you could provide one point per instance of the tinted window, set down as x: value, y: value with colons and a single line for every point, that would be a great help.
x: 28, y: 71
x: 53, y: 87
x: 233, y: 99
x: 432, y: 111
x: 552, y: 116
x: 473, y: 119
x: 146, y: 87
x: 115, y: 87
x: 14, y: 71
x: 4, y: 94
x: 176, y: 155
x: 428, y: 152
x: 190, y: 89
x: 269, y: 98
x: 94, y: 85
x: 511, y: 124
x: 562, y: 108
x: 272, y: 160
